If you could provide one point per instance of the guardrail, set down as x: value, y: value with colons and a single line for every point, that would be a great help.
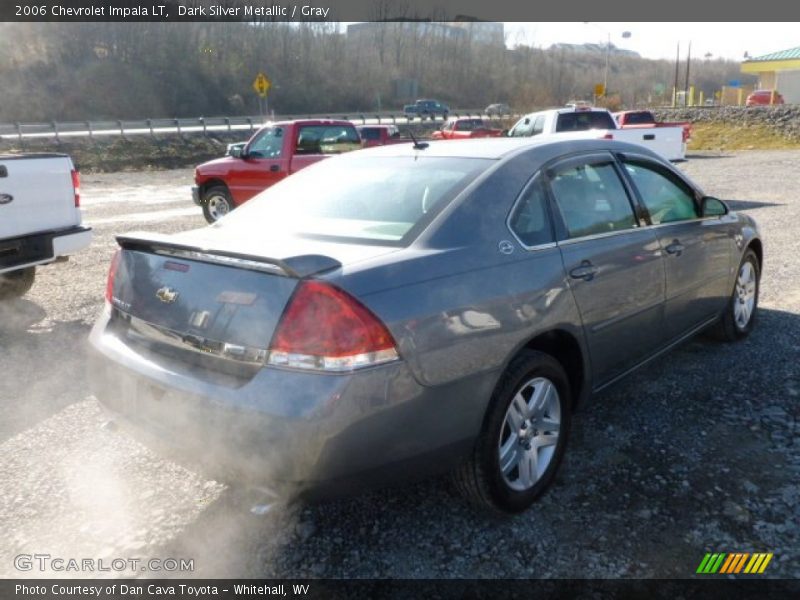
x: 153, y: 127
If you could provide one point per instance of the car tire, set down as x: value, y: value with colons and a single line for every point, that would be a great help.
x: 16, y: 283
x: 739, y: 316
x: 523, y: 437
x: 216, y: 203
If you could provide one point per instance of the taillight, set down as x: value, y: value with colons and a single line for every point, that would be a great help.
x: 76, y: 186
x: 326, y: 329
x: 112, y: 273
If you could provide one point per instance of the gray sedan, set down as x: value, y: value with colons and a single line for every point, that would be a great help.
x: 416, y: 309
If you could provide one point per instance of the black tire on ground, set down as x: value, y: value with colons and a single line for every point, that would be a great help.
x: 216, y: 203
x: 727, y: 329
x: 16, y: 283
x: 480, y: 478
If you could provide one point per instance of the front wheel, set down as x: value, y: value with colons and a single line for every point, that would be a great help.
x: 16, y: 283
x: 523, y: 438
x: 216, y: 203
x: 739, y: 316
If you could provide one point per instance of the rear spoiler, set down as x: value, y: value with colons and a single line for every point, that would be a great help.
x: 296, y: 267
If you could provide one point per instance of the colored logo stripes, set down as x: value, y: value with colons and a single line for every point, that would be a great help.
x: 736, y: 562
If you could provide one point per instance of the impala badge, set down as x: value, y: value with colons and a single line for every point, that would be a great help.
x: 6, y: 198
x: 167, y: 295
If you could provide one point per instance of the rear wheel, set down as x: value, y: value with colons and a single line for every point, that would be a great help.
x: 16, y: 283
x: 739, y: 316
x: 523, y: 439
x: 216, y: 203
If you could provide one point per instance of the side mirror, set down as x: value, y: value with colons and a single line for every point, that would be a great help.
x: 505, y: 133
x: 237, y: 150
x: 712, y: 207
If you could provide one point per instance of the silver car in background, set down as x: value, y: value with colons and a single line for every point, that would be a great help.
x: 418, y: 308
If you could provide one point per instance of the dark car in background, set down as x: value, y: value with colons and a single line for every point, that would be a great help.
x: 499, y: 109
x: 418, y: 308
x: 426, y: 109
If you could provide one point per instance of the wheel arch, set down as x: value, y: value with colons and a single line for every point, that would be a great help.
x: 209, y: 183
x: 758, y: 248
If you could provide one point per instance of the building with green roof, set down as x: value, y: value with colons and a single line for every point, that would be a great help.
x: 777, y: 71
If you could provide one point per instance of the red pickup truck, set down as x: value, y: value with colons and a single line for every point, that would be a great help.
x: 274, y: 152
x: 644, y: 119
x: 457, y: 129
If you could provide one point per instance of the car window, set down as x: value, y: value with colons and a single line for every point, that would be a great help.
x: 538, y: 125
x: 584, y: 120
x: 372, y: 198
x: 523, y: 127
x: 370, y: 133
x: 530, y: 221
x: 591, y: 200
x: 267, y: 143
x: 665, y: 199
x: 326, y: 139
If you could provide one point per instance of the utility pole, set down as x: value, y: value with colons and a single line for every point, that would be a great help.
x: 688, y: 62
x: 675, y: 85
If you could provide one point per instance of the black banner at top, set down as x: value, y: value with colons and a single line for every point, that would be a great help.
x: 396, y: 10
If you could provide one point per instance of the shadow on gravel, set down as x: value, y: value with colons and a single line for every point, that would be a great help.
x: 749, y: 204
x: 17, y: 315
x: 692, y: 452
x: 707, y: 156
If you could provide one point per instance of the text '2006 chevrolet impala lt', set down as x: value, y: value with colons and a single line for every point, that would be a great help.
x: 418, y: 308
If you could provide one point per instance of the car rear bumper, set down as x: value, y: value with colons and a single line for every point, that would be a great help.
x: 291, y: 431
x: 42, y: 247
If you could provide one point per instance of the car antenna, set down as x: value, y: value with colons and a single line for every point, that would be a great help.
x: 417, y: 144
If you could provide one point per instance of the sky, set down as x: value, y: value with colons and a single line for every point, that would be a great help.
x: 659, y: 40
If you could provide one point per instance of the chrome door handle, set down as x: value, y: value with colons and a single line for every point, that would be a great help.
x: 585, y: 271
x: 675, y: 248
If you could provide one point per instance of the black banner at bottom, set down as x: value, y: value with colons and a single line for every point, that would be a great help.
x: 247, y: 589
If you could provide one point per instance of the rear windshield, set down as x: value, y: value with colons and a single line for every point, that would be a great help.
x: 584, y: 120
x: 383, y: 200
x: 639, y: 118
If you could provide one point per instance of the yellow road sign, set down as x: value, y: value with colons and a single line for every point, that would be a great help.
x: 261, y: 85
x: 599, y: 89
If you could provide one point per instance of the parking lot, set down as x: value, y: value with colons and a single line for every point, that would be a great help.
x: 696, y: 453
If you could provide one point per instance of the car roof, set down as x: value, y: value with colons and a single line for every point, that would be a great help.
x: 497, y: 148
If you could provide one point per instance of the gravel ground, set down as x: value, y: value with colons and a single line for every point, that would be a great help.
x: 697, y: 452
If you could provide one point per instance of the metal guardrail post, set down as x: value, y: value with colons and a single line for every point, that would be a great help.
x: 228, y: 123
x: 89, y: 129
x: 55, y: 131
x: 394, y: 119
x: 121, y: 129
x: 19, y: 131
x: 250, y: 122
x: 378, y: 117
x: 150, y: 127
x: 363, y: 120
x: 178, y: 127
x: 203, y: 123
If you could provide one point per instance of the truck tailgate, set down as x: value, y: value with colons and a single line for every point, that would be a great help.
x: 36, y: 194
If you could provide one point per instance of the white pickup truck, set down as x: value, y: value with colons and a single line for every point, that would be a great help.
x: 581, y: 121
x: 40, y: 217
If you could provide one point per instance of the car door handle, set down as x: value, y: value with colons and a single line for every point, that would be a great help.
x: 274, y: 168
x: 675, y: 248
x: 586, y: 271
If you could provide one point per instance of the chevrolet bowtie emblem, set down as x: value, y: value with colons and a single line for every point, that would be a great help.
x: 167, y: 295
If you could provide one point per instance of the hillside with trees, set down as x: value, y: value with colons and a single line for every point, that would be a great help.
x: 81, y: 71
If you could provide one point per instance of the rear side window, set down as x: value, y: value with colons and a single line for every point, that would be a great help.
x: 326, y: 139
x: 529, y: 220
x: 584, y: 120
x: 523, y: 127
x: 666, y: 200
x: 591, y: 200
x: 538, y: 126
x: 370, y: 133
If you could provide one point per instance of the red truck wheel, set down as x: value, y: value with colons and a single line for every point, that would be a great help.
x: 216, y: 203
